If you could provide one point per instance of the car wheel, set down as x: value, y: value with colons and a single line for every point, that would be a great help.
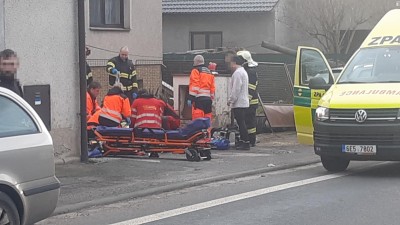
x: 8, y: 211
x: 334, y: 164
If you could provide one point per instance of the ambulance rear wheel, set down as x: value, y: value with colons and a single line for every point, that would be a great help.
x: 206, y: 154
x: 334, y: 164
x: 193, y: 156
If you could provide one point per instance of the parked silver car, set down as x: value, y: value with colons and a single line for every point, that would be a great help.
x: 29, y: 189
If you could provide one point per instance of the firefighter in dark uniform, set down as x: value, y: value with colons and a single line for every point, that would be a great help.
x: 123, y: 67
x: 89, y: 75
x: 251, y: 122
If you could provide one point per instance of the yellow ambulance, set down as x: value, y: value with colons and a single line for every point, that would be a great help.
x: 356, y: 116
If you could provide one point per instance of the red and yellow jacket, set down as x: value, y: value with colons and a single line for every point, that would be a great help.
x: 201, y: 83
x: 147, y: 112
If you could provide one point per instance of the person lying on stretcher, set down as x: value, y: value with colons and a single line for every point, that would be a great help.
x: 150, y: 112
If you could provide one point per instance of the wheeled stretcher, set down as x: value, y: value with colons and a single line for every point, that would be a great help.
x: 192, y: 140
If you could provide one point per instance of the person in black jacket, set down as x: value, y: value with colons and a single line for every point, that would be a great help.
x: 251, y: 122
x: 89, y: 75
x: 122, y: 67
x: 8, y: 69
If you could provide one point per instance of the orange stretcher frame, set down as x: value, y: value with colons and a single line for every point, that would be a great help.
x: 196, y: 147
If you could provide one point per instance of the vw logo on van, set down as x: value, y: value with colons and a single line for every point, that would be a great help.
x: 361, y: 116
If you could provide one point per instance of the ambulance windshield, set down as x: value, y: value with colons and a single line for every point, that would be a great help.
x: 373, y: 65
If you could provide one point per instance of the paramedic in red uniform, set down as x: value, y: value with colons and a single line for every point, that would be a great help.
x: 201, y: 89
x: 149, y: 111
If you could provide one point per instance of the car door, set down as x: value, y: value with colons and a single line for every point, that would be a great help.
x: 310, y: 63
x: 26, y: 148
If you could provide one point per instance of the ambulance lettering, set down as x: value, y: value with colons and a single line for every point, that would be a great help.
x: 375, y: 41
x: 385, y: 40
x: 370, y: 92
x: 397, y: 39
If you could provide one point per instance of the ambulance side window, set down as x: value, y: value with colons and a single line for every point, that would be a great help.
x: 313, y: 65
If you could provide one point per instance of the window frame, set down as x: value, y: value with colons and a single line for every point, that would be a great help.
x: 123, y: 22
x: 207, y: 38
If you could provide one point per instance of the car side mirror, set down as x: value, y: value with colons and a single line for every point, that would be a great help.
x: 318, y: 83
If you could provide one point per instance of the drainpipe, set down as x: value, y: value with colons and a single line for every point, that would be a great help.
x: 82, y: 78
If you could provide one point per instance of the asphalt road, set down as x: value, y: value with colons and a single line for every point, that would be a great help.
x: 366, y: 194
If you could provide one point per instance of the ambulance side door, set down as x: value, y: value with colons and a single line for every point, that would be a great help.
x: 310, y: 64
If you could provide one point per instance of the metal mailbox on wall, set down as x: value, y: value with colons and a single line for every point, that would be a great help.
x: 38, y: 96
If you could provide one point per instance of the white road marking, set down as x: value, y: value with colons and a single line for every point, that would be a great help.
x: 225, y: 200
x: 147, y: 160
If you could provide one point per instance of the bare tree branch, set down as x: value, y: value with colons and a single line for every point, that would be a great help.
x: 332, y: 23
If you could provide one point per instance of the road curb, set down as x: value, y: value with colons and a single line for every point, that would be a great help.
x: 168, y: 188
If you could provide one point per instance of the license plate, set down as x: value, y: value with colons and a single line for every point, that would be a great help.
x: 360, y: 149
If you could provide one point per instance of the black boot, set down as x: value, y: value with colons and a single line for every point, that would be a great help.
x: 252, y: 138
x: 238, y: 143
x: 244, y: 145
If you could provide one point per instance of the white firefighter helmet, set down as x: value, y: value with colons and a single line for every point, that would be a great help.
x: 247, y: 56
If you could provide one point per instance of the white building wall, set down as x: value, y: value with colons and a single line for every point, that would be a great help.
x: 221, y: 111
x: 44, y: 33
x: 2, y: 24
x: 143, y: 37
x: 238, y: 30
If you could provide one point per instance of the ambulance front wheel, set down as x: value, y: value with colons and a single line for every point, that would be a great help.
x: 334, y: 164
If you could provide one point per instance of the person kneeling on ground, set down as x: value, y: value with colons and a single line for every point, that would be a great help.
x: 92, y: 106
x: 115, y: 109
x: 148, y: 112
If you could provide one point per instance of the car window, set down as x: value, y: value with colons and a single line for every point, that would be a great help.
x: 14, y: 120
x: 313, y: 65
x: 373, y: 65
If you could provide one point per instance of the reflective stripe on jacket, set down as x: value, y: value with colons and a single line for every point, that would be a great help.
x: 115, y: 106
x: 147, y: 112
x: 201, y: 83
x: 128, y: 75
x: 253, y: 82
